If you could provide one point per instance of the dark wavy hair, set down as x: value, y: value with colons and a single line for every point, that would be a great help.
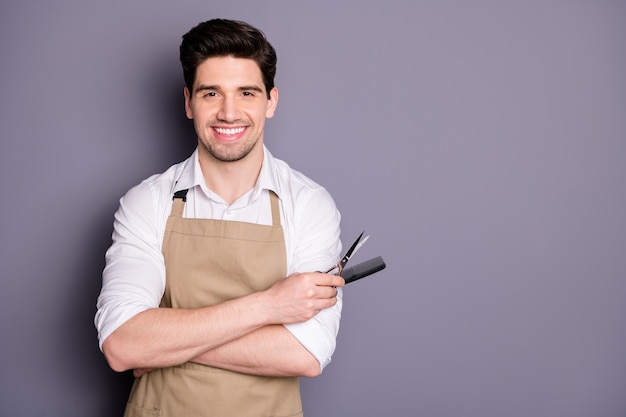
x: 221, y: 37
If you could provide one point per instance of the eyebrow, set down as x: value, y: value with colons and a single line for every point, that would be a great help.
x: 203, y: 87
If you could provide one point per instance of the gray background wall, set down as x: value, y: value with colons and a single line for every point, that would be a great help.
x: 482, y: 144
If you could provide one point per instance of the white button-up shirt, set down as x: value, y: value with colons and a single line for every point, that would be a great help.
x: 134, y: 275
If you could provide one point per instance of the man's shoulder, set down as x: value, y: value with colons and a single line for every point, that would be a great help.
x: 303, y: 193
x: 293, y: 178
x: 168, y: 178
x: 164, y: 178
x: 159, y: 186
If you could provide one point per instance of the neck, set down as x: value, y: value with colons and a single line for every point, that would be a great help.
x: 231, y: 180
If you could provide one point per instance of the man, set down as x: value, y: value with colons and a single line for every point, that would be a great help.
x: 208, y: 291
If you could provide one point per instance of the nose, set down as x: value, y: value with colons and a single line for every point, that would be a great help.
x: 228, y: 111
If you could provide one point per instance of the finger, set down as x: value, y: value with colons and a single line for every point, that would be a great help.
x: 330, y: 292
x: 330, y: 280
x: 329, y: 302
x: 342, y: 281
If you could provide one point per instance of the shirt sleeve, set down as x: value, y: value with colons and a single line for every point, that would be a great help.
x: 133, y: 279
x: 318, y: 247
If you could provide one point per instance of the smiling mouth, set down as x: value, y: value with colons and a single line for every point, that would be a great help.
x: 229, y: 131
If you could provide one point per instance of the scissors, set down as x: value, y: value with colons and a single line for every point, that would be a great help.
x: 336, y: 269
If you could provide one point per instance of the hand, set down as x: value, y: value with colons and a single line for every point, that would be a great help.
x: 301, y: 296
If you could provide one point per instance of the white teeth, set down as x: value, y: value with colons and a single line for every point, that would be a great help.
x: 230, y: 131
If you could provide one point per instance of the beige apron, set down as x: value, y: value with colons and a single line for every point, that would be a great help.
x: 209, y: 261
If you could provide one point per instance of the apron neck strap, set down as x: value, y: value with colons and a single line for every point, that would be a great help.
x: 275, y: 209
x: 180, y: 197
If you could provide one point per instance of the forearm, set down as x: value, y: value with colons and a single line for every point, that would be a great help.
x: 269, y: 351
x: 163, y: 337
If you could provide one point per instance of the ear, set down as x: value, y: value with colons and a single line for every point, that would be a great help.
x: 272, y: 102
x: 188, y: 110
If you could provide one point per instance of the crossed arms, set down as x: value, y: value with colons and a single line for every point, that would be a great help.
x: 261, y: 333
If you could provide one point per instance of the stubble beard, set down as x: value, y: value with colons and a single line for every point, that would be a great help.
x: 229, y: 155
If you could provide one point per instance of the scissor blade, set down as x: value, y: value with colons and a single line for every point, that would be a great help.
x: 361, y: 243
x: 348, y: 254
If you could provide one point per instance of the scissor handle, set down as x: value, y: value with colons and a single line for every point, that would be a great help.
x: 335, y: 270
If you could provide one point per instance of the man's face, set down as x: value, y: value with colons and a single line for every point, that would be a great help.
x: 229, y: 106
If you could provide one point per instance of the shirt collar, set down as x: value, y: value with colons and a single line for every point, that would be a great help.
x: 191, y: 175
